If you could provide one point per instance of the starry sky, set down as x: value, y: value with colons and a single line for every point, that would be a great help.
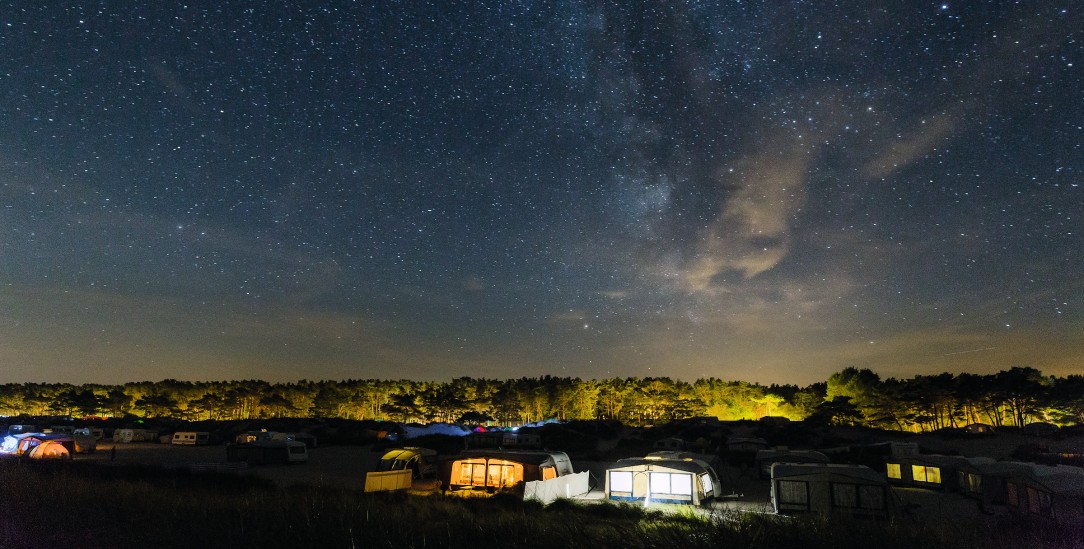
x: 762, y: 191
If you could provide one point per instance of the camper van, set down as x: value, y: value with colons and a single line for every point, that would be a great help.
x: 191, y: 438
x: 268, y: 452
x: 493, y: 470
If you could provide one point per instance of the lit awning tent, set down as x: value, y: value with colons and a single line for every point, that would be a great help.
x: 498, y: 470
x: 418, y: 460
x: 659, y: 479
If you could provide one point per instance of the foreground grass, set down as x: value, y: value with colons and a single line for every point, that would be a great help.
x: 76, y: 505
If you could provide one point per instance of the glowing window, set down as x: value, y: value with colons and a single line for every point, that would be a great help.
x: 660, y: 483
x: 620, y: 481
x: 926, y: 474
x: 681, y: 485
x: 893, y: 470
x: 548, y: 473
x: 705, y: 479
x: 933, y: 475
x: 478, y: 474
x: 501, y: 474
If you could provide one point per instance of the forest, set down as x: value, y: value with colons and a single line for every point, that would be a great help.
x: 1013, y: 397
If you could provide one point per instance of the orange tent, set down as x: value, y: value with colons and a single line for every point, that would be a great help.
x: 49, y: 449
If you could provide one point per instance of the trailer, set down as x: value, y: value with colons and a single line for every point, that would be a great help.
x: 268, y: 452
x: 854, y: 490
x: 191, y: 438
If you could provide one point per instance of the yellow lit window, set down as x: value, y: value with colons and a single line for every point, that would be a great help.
x: 933, y: 475
x: 894, y: 470
x: 926, y: 474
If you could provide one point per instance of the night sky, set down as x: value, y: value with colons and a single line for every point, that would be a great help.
x: 762, y: 191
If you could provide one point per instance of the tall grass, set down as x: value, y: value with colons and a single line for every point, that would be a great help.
x: 80, y: 506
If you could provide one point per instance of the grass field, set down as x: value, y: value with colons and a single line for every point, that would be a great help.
x: 84, y: 505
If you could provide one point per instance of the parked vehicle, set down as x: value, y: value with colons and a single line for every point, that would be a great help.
x: 191, y: 438
x: 268, y: 452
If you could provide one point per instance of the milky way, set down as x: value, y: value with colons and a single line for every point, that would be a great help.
x: 769, y: 191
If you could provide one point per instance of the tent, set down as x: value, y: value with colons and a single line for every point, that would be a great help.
x: 49, y: 449
x: 666, y: 477
x: 854, y: 490
x: 27, y: 442
x: 980, y: 429
x: 765, y: 459
x: 492, y: 470
x: 400, y: 468
x: 418, y: 460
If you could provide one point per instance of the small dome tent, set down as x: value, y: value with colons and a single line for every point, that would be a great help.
x: 50, y: 449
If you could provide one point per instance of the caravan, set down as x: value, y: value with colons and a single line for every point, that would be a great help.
x: 134, y: 435
x: 191, y: 438
x: 853, y: 490
x: 268, y: 452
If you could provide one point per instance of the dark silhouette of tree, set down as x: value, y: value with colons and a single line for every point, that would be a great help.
x: 158, y: 405
x: 1067, y: 400
x: 75, y: 401
x: 1020, y: 389
x: 1011, y: 397
x: 838, y: 411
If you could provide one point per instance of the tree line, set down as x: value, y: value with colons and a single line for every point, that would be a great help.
x: 852, y: 396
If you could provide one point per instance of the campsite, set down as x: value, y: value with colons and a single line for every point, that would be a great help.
x: 621, y: 469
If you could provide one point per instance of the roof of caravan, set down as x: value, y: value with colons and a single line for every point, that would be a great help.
x: 804, y: 454
x: 940, y: 460
x: 518, y: 456
x: 855, y: 472
x: 271, y: 443
x: 1059, y: 479
x: 681, y: 464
